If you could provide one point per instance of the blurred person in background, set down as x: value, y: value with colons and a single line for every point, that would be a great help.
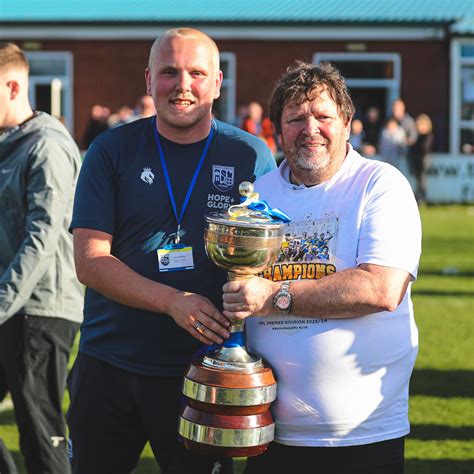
x: 145, y: 107
x: 123, y: 115
x: 260, y: 126
x: 356, y: 138
x: 242, y: 114
x: 406, y: 121
x: 392, y: 143
x: 97, y: 123
x: 41, y: 299
x: 419, y: 157
x: 372, y: 130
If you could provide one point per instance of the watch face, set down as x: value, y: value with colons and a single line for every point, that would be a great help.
x: 283, y: 302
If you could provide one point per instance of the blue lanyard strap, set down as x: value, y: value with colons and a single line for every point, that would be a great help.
x: 179, y: 218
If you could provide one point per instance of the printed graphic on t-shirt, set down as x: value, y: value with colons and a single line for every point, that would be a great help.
x: 291, y: 325
x: 307, y: 252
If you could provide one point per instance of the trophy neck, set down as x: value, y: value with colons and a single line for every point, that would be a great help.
x: 232, y: 354
x: 238, y: 325
x: 231, y: 276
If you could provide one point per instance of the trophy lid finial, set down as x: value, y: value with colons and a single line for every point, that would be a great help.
x: 246, y: 188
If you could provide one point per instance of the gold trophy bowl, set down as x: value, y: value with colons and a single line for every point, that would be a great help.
x: 229, y: 390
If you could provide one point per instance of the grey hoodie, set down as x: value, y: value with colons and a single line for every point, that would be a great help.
x: 39, y: 165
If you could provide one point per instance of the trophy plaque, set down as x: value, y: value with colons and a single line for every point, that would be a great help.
x: 229, y: 390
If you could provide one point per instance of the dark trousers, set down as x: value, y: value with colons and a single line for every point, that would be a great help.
x: 3, y: 387
x: 7, y: 465
x: 385, y: 457
x: 113, y: 413
x: 34, y: 352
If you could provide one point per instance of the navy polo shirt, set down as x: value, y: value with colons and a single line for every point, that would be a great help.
x: 122, y: 191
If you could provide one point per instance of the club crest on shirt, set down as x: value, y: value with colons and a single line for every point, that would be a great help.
x: 223, y: 177
x: 147, y: 176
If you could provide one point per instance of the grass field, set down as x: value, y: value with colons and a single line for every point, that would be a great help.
x: 442, y: 387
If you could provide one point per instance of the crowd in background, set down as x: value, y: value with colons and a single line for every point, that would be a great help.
x: 251, y: 118
x: 401, y: 140
x: 102, y: 118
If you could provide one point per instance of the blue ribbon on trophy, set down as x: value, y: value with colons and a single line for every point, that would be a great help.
x: 250, y: 201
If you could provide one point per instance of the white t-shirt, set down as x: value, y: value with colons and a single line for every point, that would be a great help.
x: 341, y: 382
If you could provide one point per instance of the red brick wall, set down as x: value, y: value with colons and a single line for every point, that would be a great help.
x: 112, y: 72
x: 424, y: 71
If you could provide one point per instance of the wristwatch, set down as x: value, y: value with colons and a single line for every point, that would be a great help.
x: 283, y: 300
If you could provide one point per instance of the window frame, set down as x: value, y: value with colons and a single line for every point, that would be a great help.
x: 457, y: 124
x: 392, y: 85
x: 66, y: 82
x: 229, y: 84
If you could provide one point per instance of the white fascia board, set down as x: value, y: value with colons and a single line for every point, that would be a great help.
x: 278, y: 33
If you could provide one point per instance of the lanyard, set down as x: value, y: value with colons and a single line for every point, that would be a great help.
x: 179, y: 218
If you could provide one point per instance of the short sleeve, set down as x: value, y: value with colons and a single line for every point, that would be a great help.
x: 391, y: 229
x: 265, y: 160
x: 95, y: 201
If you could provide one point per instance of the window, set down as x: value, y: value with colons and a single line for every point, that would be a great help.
x: 51, y: 84
x: 224, y: 106
x: 372, y: 78
x: 462, y: 96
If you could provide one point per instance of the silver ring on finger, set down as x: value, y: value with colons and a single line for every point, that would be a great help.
x: 198, y: 326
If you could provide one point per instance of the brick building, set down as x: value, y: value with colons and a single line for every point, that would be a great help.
x: 84, y: 52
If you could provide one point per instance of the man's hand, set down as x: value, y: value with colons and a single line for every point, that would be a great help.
x: 97, y: 268
x: 197, y: 315
x: 244, y: 298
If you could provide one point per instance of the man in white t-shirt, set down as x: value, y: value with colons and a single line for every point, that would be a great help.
x: 335, y: 320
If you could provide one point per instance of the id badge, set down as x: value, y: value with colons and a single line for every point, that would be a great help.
x: 172, y: 258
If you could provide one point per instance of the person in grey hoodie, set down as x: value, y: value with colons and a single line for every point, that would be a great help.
x: 41, y: 299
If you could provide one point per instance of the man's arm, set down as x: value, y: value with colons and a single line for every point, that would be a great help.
x: 350, y: 293
x: 49, y: 181
x: 98, y: 269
